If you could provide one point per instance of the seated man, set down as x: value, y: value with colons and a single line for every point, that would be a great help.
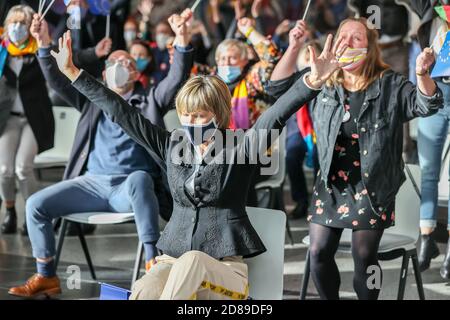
x: 107, y: 170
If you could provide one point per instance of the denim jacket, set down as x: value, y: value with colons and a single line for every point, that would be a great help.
x: 390, y: 101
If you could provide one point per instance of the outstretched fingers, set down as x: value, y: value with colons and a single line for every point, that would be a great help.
x: 327, y: 46
x: 312, y: 54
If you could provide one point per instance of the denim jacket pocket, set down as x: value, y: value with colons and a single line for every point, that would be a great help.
x: 379, y: 133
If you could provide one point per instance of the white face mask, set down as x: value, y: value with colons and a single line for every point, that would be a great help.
x: 161, y: 41
x: 17, y: 32
x: 129, y: 35
x: 117, y: 76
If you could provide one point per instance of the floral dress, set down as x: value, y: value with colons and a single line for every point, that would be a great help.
x: 346, y: 203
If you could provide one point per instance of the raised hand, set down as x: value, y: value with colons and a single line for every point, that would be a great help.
x: 298, y: 34
x: 39, y: 31
x: 324, y: 65
x: 239, y: 11
x: 245, y: 24
x: 282, y: 28
x: 256, y: 8
x: 64, y: 57
x: 179, y: 25
x: 103, y: 48
x: 145, y: 8
x: 424, y: 61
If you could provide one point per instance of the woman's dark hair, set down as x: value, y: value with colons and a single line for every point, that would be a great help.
x: 151, y: 67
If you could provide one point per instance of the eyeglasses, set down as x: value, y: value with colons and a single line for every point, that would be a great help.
x: 123, y: 62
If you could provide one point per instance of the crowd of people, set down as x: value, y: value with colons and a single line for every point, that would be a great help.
x: 344, y: 89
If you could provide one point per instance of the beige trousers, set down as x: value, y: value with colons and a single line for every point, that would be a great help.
x: 195, y: 276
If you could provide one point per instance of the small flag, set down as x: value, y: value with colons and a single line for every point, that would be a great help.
x: 99, y: 7
x: 442, y: 66
x: 305, y: 126
x: 443, y: 12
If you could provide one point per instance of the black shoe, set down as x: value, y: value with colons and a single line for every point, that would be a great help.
x: 428, y: 250
x: 299, y: 211
x: 9, y: 224
x: 445, y: 269
x: 24, y: 230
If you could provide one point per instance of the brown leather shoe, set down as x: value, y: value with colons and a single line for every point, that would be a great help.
x: 37, y: 285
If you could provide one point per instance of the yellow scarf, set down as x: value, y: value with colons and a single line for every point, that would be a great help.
x: 30, y: 48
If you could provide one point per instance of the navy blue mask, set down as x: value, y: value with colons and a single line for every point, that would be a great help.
x: 200, y: 133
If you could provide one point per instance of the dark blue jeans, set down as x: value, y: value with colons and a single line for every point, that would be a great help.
x: 91, y: 193
x: 295, y: 155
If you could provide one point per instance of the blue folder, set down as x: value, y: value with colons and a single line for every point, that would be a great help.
x: 110, y: 292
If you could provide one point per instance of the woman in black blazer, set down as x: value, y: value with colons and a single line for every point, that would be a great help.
x: 26, y: 118
x: 209, y: 232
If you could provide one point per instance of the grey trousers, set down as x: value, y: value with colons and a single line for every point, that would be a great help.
x: 18, y: 147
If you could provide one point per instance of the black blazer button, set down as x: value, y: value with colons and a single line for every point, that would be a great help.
x: 197, y: 188
x: 197, y: 199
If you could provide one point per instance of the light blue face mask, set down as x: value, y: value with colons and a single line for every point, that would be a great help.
x: 17, y: 32
x: 229, y: 73
x: 200, y: 133
x: 141, y: 64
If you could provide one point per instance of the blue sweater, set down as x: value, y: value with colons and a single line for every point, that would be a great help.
x: 113, y: 152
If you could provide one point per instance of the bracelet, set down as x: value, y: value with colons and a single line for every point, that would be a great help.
x: 249, y: 32
x: 421, y: 74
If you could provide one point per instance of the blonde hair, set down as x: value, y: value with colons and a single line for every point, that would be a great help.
x: 25, y: 12
x: 373, y: 66
x: 206, y: 93
x: 230, y: 43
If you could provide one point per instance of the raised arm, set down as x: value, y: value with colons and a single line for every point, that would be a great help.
x: 58, y: 82
x: 288, y: 62
x: 141, y: 130
x: 259, y: 74
x: 92, y: 55
x: 164, y: 93
x: 302, y: 91
x: 426, y: 98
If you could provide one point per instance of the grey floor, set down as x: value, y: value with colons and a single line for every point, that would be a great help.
x: 113, y: 249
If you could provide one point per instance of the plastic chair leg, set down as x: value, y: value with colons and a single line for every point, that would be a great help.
x: 418, y: 275
x: 403, y: 276
x: 86, y: 250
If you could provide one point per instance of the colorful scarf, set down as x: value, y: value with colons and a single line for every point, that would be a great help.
x: 30, y: 47
x: 239, y: 107
x: 8, y: 48
x: 306, y: 129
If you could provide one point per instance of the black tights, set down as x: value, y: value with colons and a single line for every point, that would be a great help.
x: 324, y: 271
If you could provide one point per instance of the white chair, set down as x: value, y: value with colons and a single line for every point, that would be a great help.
x: 96, y: 218
x: 171, y: 120
x: 273, y: 186
x: 398, y: 241
x: 265, y: 271
x: 66, y: 121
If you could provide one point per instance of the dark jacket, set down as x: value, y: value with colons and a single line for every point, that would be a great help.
x: 389, y: 102
x: 395, y: 16
x: 36, y: 104
x: 424, y: 9
x: 214, y: 220
x: 153, y: 104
